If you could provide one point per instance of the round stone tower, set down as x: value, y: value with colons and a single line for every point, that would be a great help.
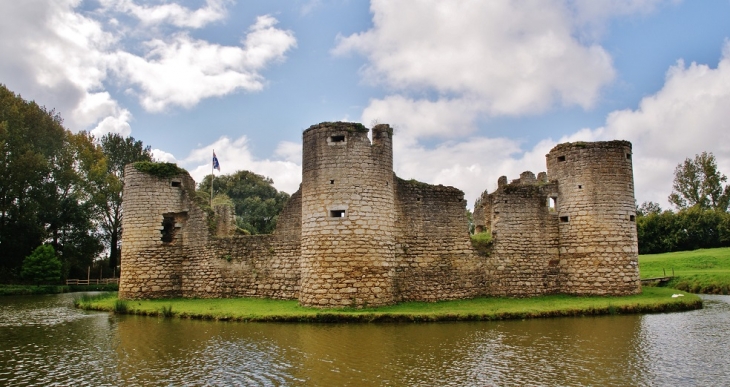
x: 596, y: 217
x: 155, y: 217
x: 348, y: 216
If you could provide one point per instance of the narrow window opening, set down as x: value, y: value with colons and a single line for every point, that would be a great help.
x: 418, y: 199
x: 168, y: 229
x: 176, y: 184
x: 337, y: 138
x: 564, y: 219
x: 632, y: 218
x: 580, y: 186
x: 337, y: 213
x: 332, y: 182
x: 553, y: 203
x: 561, y: 158
x: 628, y: 156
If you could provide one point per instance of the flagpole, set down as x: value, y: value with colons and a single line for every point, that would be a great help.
x: 212, y: 176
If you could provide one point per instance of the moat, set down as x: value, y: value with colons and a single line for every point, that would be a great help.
x: 45, y: 341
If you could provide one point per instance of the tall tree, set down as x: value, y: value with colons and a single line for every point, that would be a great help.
x: 119, y: 152
x: 697, y: 182
x: 257, y: 203
x: 43, y: 191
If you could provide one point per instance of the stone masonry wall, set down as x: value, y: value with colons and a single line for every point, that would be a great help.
x: 347, y: 216
x: 434, y: 256
x: 155, y: 212
x: 524, y: 259
x: 596, y: 209
x: 356, y: 235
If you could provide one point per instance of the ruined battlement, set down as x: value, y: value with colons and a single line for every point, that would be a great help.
x: 355, y: 234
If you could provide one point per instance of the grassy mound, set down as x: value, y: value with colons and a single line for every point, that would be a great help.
x: 699, y: 271
x: 652, y: 300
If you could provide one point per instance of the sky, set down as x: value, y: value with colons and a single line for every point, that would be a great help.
x: 473, y: 89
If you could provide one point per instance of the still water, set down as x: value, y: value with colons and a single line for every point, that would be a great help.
x: 44, y: 341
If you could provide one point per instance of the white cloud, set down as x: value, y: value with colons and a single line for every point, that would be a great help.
x: 172, y: 13
x: 422, y: 118
x: 58, y: 58
x: 687, y: 116
x: 289, y: 151
x: 182, y: 71
x: 114, y: 124
x: 496, y: 57
x: 64, y: 58
x: 234, y: 155
x: 162, y: 156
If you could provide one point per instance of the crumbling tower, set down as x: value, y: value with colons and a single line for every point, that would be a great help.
x: 348, y: 216
x: 155, y: 211
x: 597, y: 217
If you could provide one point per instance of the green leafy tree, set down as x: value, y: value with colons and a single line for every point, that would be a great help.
x: 697, y: 182
x: 42, y: 266
x: 257, y: 203
x: 119, y: 152
x: 32, y: 140
x: 45, y: 190
x: 648, y: 208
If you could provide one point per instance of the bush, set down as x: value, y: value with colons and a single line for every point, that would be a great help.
x: 41, y: 266
x: 164, y: 170
x: 482, y: 242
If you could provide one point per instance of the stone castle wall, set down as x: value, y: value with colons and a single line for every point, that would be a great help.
x: 348, y: 241
x: 357, y: 235
x: 524, y: 259
x: 434, y: 256
x: 597, y: 217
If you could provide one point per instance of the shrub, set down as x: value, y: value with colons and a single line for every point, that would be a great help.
x: 120, y: 306
x: 166, y: 311
x: 41, y: 266
x: 164, y: 170
x: 482, y: 242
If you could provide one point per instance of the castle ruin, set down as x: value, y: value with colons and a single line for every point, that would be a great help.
x: 355, y: 234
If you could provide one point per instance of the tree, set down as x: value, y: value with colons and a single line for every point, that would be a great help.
x: 45, y: 191
x: 31, y: 141
x: 697, y: 182
x: 42, y: 266
x: 648, y: 208
x: 257, y: 203
x: 119, y: 152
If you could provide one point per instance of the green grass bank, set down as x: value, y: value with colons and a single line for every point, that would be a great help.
x: 25, y: 290
x: 699, y: 271
x: 652, y: 300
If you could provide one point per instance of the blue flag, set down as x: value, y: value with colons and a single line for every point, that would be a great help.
x: 215, y: 163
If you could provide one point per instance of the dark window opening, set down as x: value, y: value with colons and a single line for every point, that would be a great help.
x: 580, y: 186
x: 561, y: 158
x: 628, y: 156
x: 176, y: 184
x: 337, y: 138
x: 564, y: 219
x: 168, y: 229
x: 332, y: 182
x: 632, y: 218
x: 337, y: 213
x: 418, y: 199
